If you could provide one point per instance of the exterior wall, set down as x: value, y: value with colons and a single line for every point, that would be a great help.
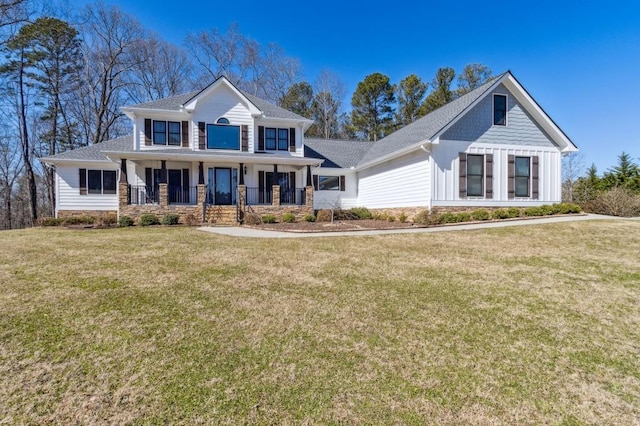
x: 330, y: 199
x: 477, y: 125
x: 446, y: 174
x: 68, y: 190
x: 401, y: 182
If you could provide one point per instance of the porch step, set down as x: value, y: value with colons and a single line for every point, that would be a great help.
x: 221, y: 215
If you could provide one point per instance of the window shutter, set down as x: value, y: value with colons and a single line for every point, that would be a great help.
x: 488, y: 167
x: 292, y: 179
x: 245, y: 138
x: 185, y: 178
x: 260, y: 138
x: 148, y: 176
x: 83, y: 181
x: 534, y: 178
x: 185, y: 134
x: 512, y: 177
x: 201, y: 136
x: 463, y: 175
x: 342, y: 183
x: 315, y: 182
x: 292, y: 139
x: 147, y: 131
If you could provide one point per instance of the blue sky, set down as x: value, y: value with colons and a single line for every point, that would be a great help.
x: 579, y: 60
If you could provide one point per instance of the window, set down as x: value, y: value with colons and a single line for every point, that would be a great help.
x: 160, y: 132
x: 223, y: 120
x: 475, y: 175
x: 522, y: 176
x: 100, y: 181
x: 500, y: 110
x: 329, y: 183
x: 221, y: 136
x: 270, y: 138
x: 174, y: 132
x: 276, y: 139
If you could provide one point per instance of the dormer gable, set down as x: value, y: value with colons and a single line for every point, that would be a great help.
x: 221, y: 83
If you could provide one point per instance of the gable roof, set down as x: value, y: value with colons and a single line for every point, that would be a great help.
x: 424, y: 128
x: 178, y: 102
x: 431, y: 126
x: 93, y: 152
x: 336, y: 153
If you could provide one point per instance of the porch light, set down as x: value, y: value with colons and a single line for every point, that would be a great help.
x: 245, y: 170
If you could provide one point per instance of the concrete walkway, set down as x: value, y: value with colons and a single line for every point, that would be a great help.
x: 241, y: 231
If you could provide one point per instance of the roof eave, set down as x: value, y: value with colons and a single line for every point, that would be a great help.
x: 248, y: 159
x: 395, y: 154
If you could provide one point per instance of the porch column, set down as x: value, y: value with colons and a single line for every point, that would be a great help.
x: 163, y: 172
x: 309, y: 196
x: 123, y: 197
x: 200, y: 173
x: 308, y: 175
x: 276, y: 195
x: 275, y: 170
x: 241, y: 174
x: 164, y: 194
x: 123, y: 170
x: 242, y: 196
x: 202, y: 194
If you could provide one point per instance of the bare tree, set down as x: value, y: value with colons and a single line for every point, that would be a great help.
x: 329, y: 91
x: 162, y: 69
x: 572, y: 168
x: 11, y: 167
x: 13, y: 13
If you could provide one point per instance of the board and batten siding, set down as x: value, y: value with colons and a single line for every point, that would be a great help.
x: 68, y: 186
x: 446, y: 170
x: 401, y: 182
x: 477, y: 125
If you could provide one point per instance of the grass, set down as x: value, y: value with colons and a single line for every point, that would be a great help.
x: 523, y: 325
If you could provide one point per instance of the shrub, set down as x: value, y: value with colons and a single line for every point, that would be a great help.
x: 463, y: 217
x: 252, y: 219
x: 148, y: 219
x: 513, y: 212
x: 50, y: 221
x: 427, y: 217
x: 170, y: 219
x: 361, y: 213
x: 380, y: 216
x: 109, y: 219
x: 615, y: 202
x: 500, y: 214
x: 448, y: 218
x: 190, y: 220
x: 391, y: 218
x: 534, y: 211
x: 569, y: 208
x: 268, y: 218
x: 402, y: 218
x: 288, y: 218
x: 125, y: 221
x: 548, y: 210
x: 323, y: 216
x: 309, y: 218
x: 480, y: 214
x: 79, y: 220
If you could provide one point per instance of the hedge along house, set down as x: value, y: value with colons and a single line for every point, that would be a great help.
x: 213, y: 154
x: 493, y: 147
x: 220, y: 153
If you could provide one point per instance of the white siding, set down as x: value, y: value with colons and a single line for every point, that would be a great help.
x: 446, y: 173
x: 331, y: 199
x: 401, y: 182
x: 69, y: 198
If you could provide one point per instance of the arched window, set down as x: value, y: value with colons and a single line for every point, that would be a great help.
x: 222, y: 120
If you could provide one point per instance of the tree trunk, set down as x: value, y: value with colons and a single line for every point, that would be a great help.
x: 26, y: 147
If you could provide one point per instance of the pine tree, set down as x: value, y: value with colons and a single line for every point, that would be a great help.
x: 372, y: 113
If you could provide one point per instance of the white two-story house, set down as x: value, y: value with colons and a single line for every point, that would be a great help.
x: 219, y: 153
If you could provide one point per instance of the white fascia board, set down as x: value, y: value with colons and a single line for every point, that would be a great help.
x: 69, y: 161
x: 133, y: 112
x: 395, y: 154
x: 230, y: 158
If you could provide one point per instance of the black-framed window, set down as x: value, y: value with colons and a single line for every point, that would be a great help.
x: 270, y: 138
x: 101, y: 181
x: 223, y: 120
x: 276, y: 139
x: 475, y: 175
x: 159, y: 132
x: 500, y: 110
x: 522, y: 176
x: 222, y: 136
x: 283, y: 139
x: 329, y: 183
x: 175, y: 136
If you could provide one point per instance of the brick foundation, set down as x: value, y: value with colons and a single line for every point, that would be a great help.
x: 83, y: 213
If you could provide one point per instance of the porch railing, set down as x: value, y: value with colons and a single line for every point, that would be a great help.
x: 258, y: 196
x: 182, y: 194
x: 142, y: 194
x: 294, y: 196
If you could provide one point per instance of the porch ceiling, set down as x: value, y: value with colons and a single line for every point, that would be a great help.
x: 232, y: 158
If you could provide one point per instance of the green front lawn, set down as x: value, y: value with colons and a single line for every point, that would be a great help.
x: 522, y: 325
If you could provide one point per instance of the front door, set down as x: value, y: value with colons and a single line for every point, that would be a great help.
x: 223, y: 180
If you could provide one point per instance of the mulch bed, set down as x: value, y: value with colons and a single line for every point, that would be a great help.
x: 337, y: 225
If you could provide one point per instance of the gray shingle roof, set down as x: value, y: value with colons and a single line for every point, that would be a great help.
x: 426, y: 127
x: 336, y: 153
x: 94, y: 152
x: 272, y: 111
x: 172, y: 103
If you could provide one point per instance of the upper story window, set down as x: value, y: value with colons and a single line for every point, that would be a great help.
x: 167, y: 132
x: 500, y: 110
x: 223, y: 120
x: 223, y: 136
x: 276, y: 139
